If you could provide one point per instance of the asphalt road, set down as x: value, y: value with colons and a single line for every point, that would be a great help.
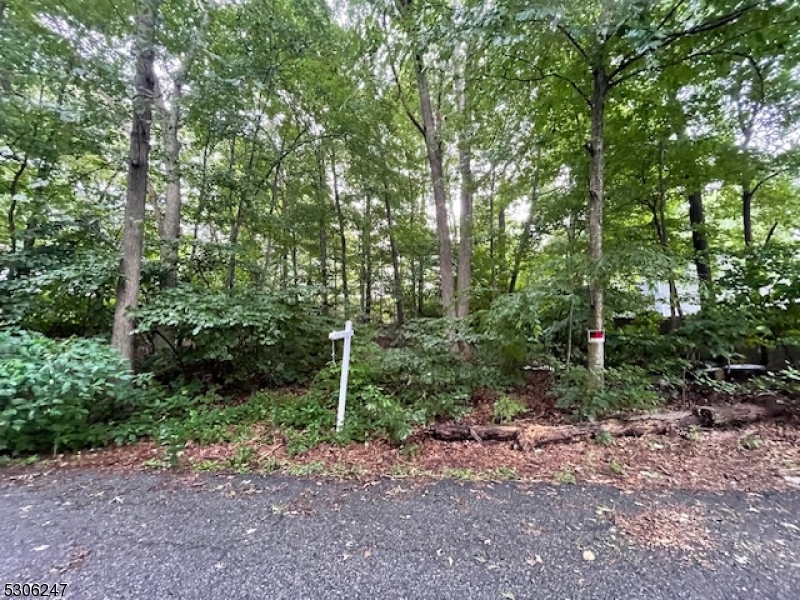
x: 216, y: 537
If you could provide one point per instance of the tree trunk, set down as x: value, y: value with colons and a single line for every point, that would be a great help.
x: 747, y: 218
x: 273, y: 204
x: 398, y: 285
x: 170, y: 122
x: 12, y: 207
x: 170, y: 234
x: 433, y: 146
x: 342, y: 239
x: 230, y: 279
x: 368, y: 256
x: 525, y: 239
x: 501, y: 247
x: 127, y: 296
x: 699, y: 241
x: 201, y: 201
x: 467, y: 186
x: 421, y: 287
x: 492, y: 252
x: 596, y: 355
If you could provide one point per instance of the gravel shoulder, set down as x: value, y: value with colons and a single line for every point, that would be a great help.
x: 239, y: 537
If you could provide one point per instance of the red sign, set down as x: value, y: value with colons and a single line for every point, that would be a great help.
x: 597, y: 336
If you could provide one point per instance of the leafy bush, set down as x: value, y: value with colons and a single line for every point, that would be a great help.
x: 506, y: 409
x: 58, y: 394
x: 425, y: 371
x: 252, y: 337
x: 626, y: 388
x: 511, y: 329
x: 59, y: 291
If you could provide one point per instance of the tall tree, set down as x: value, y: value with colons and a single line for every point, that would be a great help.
x: 138, y: 171
x: 169, y: 105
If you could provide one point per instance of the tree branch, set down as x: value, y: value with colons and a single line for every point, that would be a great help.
x: 771, y: 232
x: 573, y: 41
x: 767, y: 178
x: 404, y: 102
x: 673, y: 37
x: 543, y: 75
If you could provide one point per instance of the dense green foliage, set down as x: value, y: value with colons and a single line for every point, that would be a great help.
x: 249, y: 338
x: 297, y: 144
x: 59, y: 394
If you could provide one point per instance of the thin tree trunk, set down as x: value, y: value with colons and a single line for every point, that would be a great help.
x: 433, y: 146
x: 525, y: 239
x: 492, y: 252
x: 464, y: 280
x: 501, y: 247
x: 747, y: 216
x: 596, y: 353
x: 240, y: 210
x: 12, y: 208
x: 324, y: 277
x: 170, y: 233
x: 398, y: 285
x: 230, y: 279
x: 368, y: 256
x: 699, y: 241
x: 342, y: 239
x: 660, y: 224
x: 127, y: 296
x: 273, y: 203
x: 201, y: 201
x: 171, y: 120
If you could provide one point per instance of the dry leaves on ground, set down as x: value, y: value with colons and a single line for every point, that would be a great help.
x: 680, y: 528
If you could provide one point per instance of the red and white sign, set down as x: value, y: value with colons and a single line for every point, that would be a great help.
x: 597, y: 336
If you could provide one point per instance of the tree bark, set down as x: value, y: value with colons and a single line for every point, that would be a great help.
x: 530, y: 436
x: 170, y: 232
x: 12, y: 207
x: 273, y: 204
x: 697, y: 220
x: 747, y: 216
x: 127, y: 296
x: 342, y: 239
x: 367, y: 256
x: 525, y: 239
x: 433, y: 146
x: 398, y: 284
x: 233, y: 240
x: 464, y: 279
x: 596, y: 354
x: 492, y: 243
x: 170, y: 123
x: 502, y: 245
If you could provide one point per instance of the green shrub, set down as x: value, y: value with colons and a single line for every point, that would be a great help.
x: 425, y: 371
x: 626, y: 388
x: 253, y: 337
x: 58, y: 394
x: 511, y: 329
x: 60, y: 289
x: 506, y: 409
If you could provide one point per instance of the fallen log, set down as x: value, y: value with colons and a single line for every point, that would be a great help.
x: 528, y: 436
x: 455, y: 432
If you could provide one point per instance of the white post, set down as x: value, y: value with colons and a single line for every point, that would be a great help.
x: 345, y: 335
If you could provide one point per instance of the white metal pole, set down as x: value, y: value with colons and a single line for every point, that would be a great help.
x: 348, y: 334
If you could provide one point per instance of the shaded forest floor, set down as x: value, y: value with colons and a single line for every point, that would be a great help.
x: 752, y: 458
